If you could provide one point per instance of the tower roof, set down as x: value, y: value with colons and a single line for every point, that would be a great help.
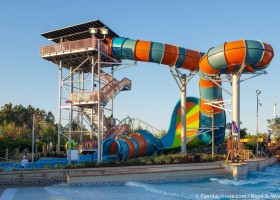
x: 77, y: 32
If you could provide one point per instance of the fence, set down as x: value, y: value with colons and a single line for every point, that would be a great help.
x: 69, y: 46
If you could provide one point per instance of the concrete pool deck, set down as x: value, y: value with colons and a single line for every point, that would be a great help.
x: 121, y: 175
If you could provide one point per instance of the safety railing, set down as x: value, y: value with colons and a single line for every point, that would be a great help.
x: 125, y: 128
x: 69, y: 46
x: 86, y: 97
x: 108, y: 87
x: 106, y: 78
x: 14, y: 155
x: 124, y: 83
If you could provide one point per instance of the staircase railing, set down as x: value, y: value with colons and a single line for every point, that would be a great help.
x: 122, y: 129
x: 124, y: 83
x: 24, y: 152
x: 14, y: 155
x: 108, y: 87
x: 106, y: 78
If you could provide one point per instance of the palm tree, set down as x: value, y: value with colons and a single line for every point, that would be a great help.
x: 274, y: 127
x: 243, y: 131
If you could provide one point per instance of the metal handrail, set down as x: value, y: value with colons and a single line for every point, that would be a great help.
x: 72, y: 46
x: 108, y: 87
x: 123, y: 83
x: 148, y: 126
x: 14, y: 154
x: 121, y: 123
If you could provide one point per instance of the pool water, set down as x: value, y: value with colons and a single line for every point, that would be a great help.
x: 264, y: 184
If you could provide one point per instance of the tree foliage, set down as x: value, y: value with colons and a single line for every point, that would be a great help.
x: 274, y: 127
x: 243, y: 131
x: 16, y: 123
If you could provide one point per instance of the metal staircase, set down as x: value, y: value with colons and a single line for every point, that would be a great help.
x: 87, y: 103
x: 117, y: 131
x: 111, y: 88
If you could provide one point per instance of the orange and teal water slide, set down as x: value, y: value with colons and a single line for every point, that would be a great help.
x: 222, y: 59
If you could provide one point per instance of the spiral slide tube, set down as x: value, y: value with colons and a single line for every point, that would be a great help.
x: 256, y: 55
x: 140, y: 143
x: 146, y: 51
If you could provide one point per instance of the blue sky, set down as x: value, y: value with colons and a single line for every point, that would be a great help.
x: 198, y: 25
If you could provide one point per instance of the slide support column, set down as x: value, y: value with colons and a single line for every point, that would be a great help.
x: 235, y: 102
x: 183, y: 114
x: 98, y: 106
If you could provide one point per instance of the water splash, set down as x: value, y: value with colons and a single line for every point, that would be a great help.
x: 8, y: 194
x: 151, y: 189
x: 238, y: 182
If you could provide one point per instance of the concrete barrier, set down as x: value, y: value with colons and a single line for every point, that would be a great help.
x: 33, y: 177
x: 121, y: 175
x: 155, y: 173
x: 239, y: 170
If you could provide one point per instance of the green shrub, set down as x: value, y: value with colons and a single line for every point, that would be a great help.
x: 143, y: 161
x: 58, y: 166
x: 89, y: 164
x: 68, y: 166
x: 167, y: 160
x: 176, y: 160
x: 76, y: 165
x: 149, y: 162
x: 47, y: 166
x: 158, y: 160
x: 132, y: 162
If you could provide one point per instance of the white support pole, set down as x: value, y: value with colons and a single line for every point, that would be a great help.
x: 274, y: 116
x: 102, y: 133
x: 92, y: 109
x: 213, y: 135
x: 98, y: 106
x: 91, y: 133
x: 274, y: 109
x: 183, y: 114
x: 82, y: 115
x: 70, y: 118
x: 33, y: 136
x: 258, y: 92
x: 235, y: 103
x: 92, y: 75
x: 70, y: 134
x: 257, y: 127
x: 59, y: 106
x: 112, y: 100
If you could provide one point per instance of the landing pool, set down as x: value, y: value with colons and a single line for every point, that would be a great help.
x: 264, y: 184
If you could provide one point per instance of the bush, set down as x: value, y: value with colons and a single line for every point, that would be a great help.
x: 12, y: 144
x: 149, y: 162
x: 143, y: 161
x: 58, y: 166
x: 89, y: 164
x: 47, y: 166
x: 159, y: 159
x: 68, y: 166
x: 167, y: 160
x: 132, y: 162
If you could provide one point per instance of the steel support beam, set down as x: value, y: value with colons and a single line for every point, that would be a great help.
x: 59, y: 105
x: 235, y: 103
x: 183, y: 114
x: 98, y: 106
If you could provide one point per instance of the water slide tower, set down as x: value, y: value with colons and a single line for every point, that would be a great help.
x: 81, y: 55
